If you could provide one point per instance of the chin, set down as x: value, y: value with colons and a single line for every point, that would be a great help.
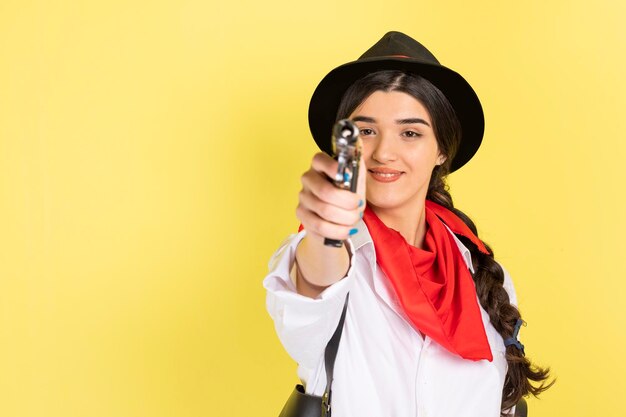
x: 391, y: 200
x: 384, y: 202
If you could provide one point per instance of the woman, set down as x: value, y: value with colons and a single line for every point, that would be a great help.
x: 431, y: 323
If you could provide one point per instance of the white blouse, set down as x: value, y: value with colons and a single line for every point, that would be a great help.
x: 384, y: 367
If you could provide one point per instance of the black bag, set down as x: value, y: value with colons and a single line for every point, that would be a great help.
x: 301, y: 404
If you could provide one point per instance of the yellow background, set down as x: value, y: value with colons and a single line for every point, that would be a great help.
x: 150, y: 154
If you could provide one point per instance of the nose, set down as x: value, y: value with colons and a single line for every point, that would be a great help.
x: 384, y: 149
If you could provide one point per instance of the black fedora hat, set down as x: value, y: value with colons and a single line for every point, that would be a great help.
x: 397, y: 51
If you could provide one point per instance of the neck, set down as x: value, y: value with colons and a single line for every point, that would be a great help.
x: 409, y: 221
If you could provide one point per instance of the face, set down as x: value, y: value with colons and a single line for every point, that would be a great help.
x: 399, y: 149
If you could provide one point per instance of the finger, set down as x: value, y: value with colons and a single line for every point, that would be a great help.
x: 328, y: 212
x: 318, y: 184
x: 314, y: 224
x: 325, y: 164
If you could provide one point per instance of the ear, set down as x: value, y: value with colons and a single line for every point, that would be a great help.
x: 441, y: 159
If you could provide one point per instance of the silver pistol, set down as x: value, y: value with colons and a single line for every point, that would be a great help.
x: 347, y: 152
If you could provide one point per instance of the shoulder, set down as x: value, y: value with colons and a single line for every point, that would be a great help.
x: 507, y: 283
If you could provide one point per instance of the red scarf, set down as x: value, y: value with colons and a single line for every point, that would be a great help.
x: 434, y: 285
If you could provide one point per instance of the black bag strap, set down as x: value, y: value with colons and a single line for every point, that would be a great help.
x: 330, y: 354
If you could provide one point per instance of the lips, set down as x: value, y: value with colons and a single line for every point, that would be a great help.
x: 383, y: 174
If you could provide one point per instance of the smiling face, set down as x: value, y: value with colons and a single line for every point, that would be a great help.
x: 399, y: 149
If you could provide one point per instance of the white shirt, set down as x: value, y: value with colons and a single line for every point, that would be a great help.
x: 384, y: 367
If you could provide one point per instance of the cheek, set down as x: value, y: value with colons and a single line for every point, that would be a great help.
x: 419, y: 162
x: 425, y: 156
x: 366, y: 149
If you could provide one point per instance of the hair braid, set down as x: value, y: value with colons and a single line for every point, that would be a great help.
x: 489, y: 280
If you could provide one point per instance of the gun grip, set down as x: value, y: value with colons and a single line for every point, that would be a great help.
x: 333, y: 242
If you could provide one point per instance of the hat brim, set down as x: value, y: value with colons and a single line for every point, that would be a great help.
x: 325, y: 100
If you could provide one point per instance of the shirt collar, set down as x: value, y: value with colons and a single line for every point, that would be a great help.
x: 363, y: 237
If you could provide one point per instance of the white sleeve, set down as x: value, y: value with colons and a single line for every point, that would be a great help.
x: 304, y: 325
x: 508, y: 286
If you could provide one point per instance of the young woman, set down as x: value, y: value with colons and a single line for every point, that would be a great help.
x: 431, y: 325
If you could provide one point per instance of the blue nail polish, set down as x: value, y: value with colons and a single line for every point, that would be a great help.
x: 353, y: 231
x: 360, y: 203
x: 361, y: 214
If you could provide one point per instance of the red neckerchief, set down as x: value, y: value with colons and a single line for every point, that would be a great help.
x: 434, y: 285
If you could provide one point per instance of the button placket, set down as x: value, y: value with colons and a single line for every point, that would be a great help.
x: 420, y: 382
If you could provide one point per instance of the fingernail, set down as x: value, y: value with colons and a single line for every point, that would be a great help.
x: 353, y: 231
x: 361, y: 214
x: 360, y: 203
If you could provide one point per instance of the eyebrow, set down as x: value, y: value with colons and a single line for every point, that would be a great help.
x: 409, y: 121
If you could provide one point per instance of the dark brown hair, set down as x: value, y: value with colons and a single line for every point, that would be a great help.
x: 489, y: 276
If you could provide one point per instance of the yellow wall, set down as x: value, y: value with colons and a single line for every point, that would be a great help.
x: 150, y: 155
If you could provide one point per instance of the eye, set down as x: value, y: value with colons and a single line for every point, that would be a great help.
x: 366, y: 131
x: 412, y: 134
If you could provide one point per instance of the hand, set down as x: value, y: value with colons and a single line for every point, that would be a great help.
x: 327, y: 211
